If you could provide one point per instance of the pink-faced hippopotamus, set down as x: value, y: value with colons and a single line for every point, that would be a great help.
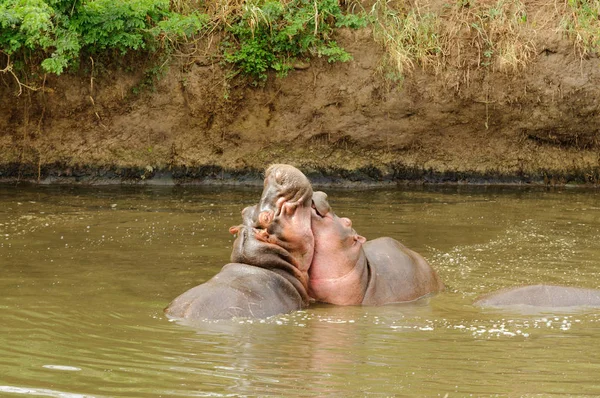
x: 348, y: 270
x: 268, y: 273
x: 545, y: 296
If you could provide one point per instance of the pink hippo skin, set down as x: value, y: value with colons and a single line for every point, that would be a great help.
x: 268, y: 273
x: 348, y: 270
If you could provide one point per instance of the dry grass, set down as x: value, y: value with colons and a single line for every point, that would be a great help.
x: 500, y: 32
x: 493, y: 36
x: 463, y: 36
x: 222, y: 11
x: 411, y: 37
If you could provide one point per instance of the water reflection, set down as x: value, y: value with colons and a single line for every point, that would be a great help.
x: 87, y: 272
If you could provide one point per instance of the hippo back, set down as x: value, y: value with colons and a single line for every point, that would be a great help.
x: 239, y: 290
x: 541, y: 296
x: 397, y: 274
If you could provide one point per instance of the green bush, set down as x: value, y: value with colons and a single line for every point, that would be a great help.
x: 51, y: 36
x: 61, y: 31
x: 271, y: 35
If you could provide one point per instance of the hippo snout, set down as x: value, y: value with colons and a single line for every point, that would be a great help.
x: 284, y: 183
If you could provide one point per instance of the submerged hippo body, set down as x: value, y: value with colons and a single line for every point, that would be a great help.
x: 547, y: 296
x: 239, y: 290
x: 396, y: 273
x: 348, y: 270
x: 268, y: 273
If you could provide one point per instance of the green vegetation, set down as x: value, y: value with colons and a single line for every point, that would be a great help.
x: 52, y: 36
x: 260, y: 36
x: 582, y: 23
x: 59, y: 31
x: 272, y: 35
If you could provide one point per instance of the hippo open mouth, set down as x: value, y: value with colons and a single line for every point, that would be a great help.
x: 292, y: 231
x: 272, y: 252
x: 276, y: 232
x: 284, y: 184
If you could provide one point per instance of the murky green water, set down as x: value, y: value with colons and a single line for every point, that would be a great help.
x: 85, y: 274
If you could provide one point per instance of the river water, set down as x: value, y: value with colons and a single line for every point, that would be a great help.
x: 86, y: 273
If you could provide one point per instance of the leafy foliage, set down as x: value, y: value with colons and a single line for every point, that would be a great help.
x: 62, y: 30
x: 273, y: 35
x: 51, y: 36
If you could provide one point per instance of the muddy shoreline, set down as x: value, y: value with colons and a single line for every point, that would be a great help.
x: 334, y: 177
x: 341, y: 124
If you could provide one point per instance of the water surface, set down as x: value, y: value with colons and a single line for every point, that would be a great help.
x: 86, y: 273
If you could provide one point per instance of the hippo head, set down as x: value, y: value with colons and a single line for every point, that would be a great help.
x: 276, y: 233
x: 338, y: 250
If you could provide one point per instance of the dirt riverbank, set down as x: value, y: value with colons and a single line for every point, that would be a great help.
x: 337, y: 122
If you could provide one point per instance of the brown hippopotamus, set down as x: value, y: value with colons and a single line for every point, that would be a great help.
x: 268, y: 273
x: 546, y: 296
x: 348, y: 270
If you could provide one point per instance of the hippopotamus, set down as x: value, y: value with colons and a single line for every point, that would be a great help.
x: 273, y: 250
x: 347, y: 269
x: 546, y: 296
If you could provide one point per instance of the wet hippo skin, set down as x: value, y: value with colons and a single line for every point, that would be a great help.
x: 548, y: 296
x: 348, y: 270
x: 397, y: 274
x: 268, y: 273
x: 239, y: 290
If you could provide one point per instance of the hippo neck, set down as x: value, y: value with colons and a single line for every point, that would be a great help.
x: 347, y: 289
x: 249, y: 250
x: 299, y: 281
x: 292, y: 274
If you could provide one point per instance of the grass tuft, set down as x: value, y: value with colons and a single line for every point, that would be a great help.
x: 581, y: 22
x: 410, y: 37
x: 466, y: 35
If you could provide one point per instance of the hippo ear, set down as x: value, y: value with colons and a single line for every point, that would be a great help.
x: 234, y: 230
x: 360, y: 239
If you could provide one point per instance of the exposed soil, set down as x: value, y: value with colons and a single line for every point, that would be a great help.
x: 336, y: 121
